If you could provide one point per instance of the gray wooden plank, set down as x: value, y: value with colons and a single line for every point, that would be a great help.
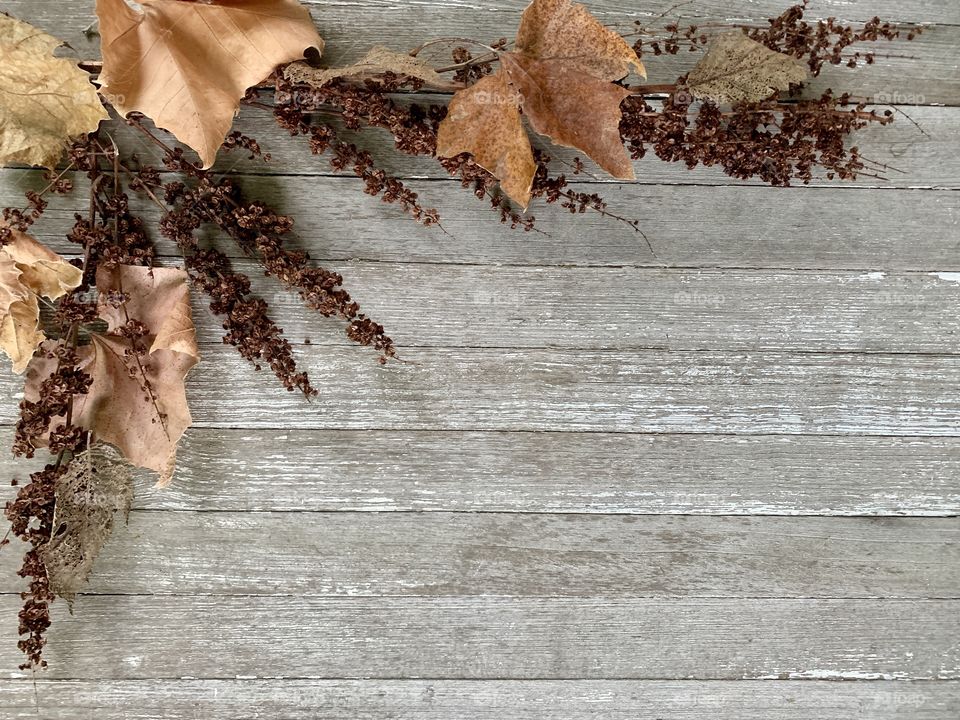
x: 477, y: 700
x: 141, y: 637
x: 624, y: 308
x: 545, y: 472
x: 740, y: 227
x: 628, y: 308
x: 548, y: 555
x: 926, y: 66
x: 581, y: 390
x: 927, y: 156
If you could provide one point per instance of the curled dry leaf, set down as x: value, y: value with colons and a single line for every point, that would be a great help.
x: 378, y: 61
x: 572, y: 109
x: 560, y: 76
x: 97, y: 484
x: 562, y: 30
x: 471, y: 123
x: 44, y: 101
x: 738, y: 69
x: 136, y: 401
x: 28, y: 270
x: 187, y: 65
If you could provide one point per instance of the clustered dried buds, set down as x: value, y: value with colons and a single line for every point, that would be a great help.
x: 825, y: 41
x: 260, y: 233
x: 774, y: 142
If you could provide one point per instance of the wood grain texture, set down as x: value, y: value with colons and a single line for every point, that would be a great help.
x: 547, y: 555
x: 546, y: 472
x: 583, y: 390
x: 691, y: 227
x: 926, y: 66
x: 920, y: 149
x: 247, y: 699
x: 633, y: 471
x: 199, y: 636
x: 623, y: 308
x: 627, y: 308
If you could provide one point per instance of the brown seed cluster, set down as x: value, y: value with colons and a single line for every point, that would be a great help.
x: 260, y: 232
x: 826, y: 41
x: 777, y: 143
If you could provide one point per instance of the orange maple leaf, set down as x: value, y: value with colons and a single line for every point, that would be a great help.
x: 187, y: 65
x: 560, y: 75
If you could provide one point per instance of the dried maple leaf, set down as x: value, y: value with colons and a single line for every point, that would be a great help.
x: 377, y: 61
x: 560, y: 75
x: 187, y: 65
x: 561, y: 30
x: 136, y: 401
x: 97, y: 484
x: 490, y: 109
x: 738, y: 69
x: 28, y: 270
x: 572, y: 108
x: 44, y: 101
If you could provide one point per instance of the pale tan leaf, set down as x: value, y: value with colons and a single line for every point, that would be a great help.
x: 12, y: 288
x: 187, y: 65
x: 97, y: 484
x: 20, y: 333
x: 42, y: 270
x: 158, y: 297
x: 484, y: 120
x: 377, y: 61
x: 563, y: 30
x: 738, y: 69
x: 572, y: 108
x: 28, y: 269
x: 44, y: 101
x: 136, y: 401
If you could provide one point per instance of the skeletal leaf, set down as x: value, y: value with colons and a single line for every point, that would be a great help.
x: 136, y: 400
x: 572, y: 108
x: 560, y: 76
x: 738, y: 69
x: 44, y: 101
x: 28, y: 270
x: 377, y: 61
x: 484, y: 120
x: 187, y: 65
x: 97, y: 484
x: 563, y: 30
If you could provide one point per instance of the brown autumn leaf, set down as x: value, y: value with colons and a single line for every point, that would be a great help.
x: 377, y: 61
x: 136, y: 402
x: 560, y: 76
x: 187, y: 65
x: 97, y: 484
x: 572, y: 108
x: 44, y: 101
x: 738, y: 69
x: 562, y: 30
x: 490, y: 109
x: 28, y: 270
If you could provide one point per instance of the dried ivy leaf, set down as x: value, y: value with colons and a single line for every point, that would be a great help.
x: 484, y: 120
x: 563, y: 30
x: 44, y: 101
x: 738, y: 69
x: 377, y: 61
x: 97, y: 484
x: 572, y: 109
x: 28, y: 270
x: 560, y: 76
x: 187, y: 65
x: 137, y: 400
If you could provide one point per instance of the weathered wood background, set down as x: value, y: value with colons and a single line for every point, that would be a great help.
x: 706, y: 482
